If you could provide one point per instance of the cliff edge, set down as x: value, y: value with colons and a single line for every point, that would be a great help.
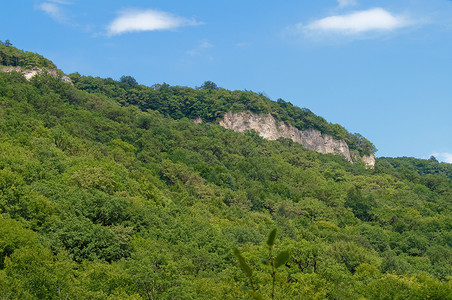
x: 267, y: 127
x: 30, y: 73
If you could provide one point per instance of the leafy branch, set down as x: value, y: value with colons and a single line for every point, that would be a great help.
x: 274, y: 262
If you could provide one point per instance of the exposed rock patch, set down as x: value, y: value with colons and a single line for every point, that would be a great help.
x: 198, y: 120
x: 369, y: 160
x: 30, y: 73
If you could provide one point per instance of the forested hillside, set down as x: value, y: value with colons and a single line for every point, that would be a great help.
x: 106, y: 196
x: 11, y: 56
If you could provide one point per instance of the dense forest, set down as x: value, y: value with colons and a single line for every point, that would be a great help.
x: 108, y: 190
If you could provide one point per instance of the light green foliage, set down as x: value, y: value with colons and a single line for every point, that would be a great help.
x: 13, y: 236
x: 102, y: 200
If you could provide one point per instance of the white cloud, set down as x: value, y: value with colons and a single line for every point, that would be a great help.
x: 203, y: 45
x: 133, y: 20
x: 372, y: 20
x: 53, y: 9
x: 57, y: 10
x: 60, y: 2
x: 443, y: 156
x: 242, y: 44
x: 345, y: 3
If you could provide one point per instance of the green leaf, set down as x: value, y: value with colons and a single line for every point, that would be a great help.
x: 282, y: 258
x: 245, y: 267
x: 255, y: 295
x: 271, y: 238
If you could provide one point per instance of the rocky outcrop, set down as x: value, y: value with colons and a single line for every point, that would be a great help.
x: 369, y: 160
x: 267, y: 127
x: 198, y: 120
x: 30, y: 73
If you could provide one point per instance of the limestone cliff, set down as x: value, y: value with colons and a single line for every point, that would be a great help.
x: 369, y: 160
x: 267, y: 127
x: 30, y: 73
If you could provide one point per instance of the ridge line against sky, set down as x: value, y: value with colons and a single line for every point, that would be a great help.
x: 354, y: 62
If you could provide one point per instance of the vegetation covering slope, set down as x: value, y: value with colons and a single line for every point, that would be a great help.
x: 11, y: 56
x: 104, y: 201
x: 211, y: 103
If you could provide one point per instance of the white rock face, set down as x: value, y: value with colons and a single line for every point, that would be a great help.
x: 198, y: 120
x: 267, y: 127
x: 30, y: 73
x: 369, y: 160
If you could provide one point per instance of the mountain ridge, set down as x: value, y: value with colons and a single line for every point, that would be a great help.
x: 209, y: 102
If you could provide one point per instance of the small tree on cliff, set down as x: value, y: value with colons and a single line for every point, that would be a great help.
x: 6, y: 43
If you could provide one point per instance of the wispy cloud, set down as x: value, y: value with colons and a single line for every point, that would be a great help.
x: 60, y: 2
x: 58, y: 11
x: 203, y: 45
x: 242, y: 44
x: 134, y: 20
x: 443, y: 156
x: 53, y: 9
x: 345, y: 3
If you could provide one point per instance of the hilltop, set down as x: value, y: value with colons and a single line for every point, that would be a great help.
x: 11, y: 56
x: 109, y: 190
x: 209, y: 103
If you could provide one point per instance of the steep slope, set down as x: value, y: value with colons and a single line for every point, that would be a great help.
x: 27, y: 63
x: 212, y: 104
x: 30, y: 73
x: 267, y: 127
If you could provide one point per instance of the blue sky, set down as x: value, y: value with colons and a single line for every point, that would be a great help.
x: 380, y: 68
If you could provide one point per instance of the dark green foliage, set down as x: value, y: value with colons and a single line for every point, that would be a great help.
x: 84, y: 240
x: 432, y: 158
x: 129, y: 81
x: 209, y: 85
x: 274, y: 262
x: 360, y: 204
x: 6, y: 43
x: 271, y: 238
x: 282, y: 258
